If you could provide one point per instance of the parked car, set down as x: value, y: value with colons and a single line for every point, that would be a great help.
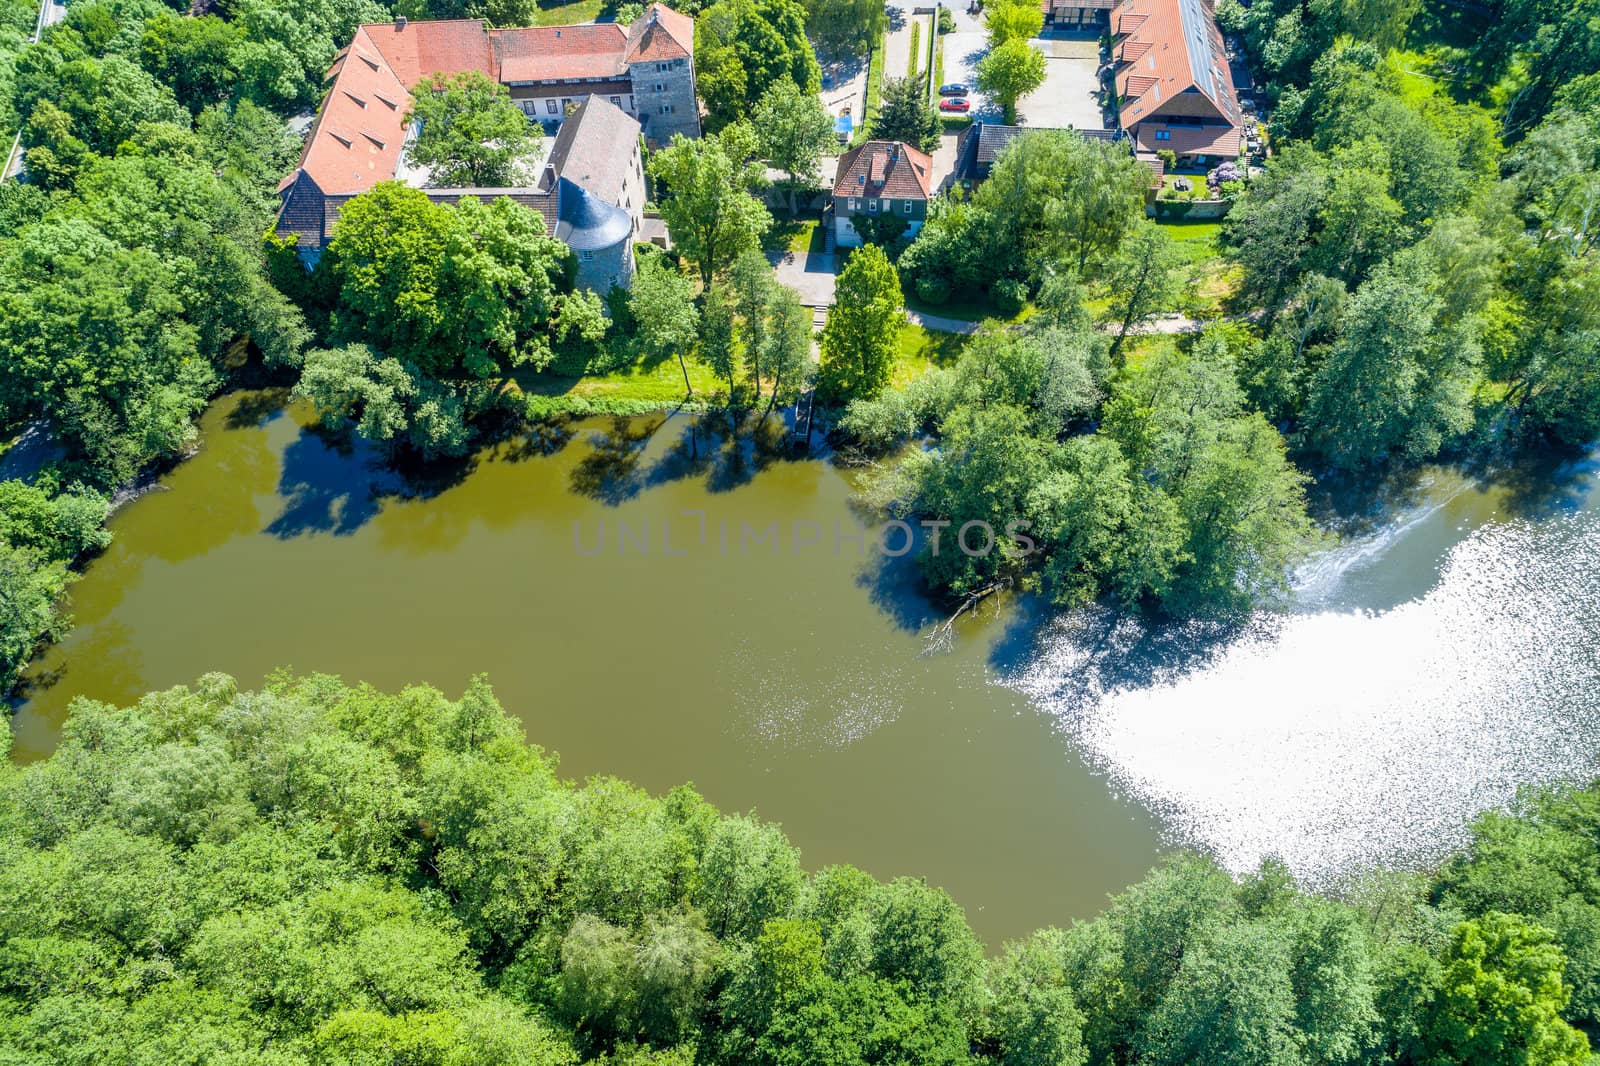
x: 960, y: 105
x: 954, y: 89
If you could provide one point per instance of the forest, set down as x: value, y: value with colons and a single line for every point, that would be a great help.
x: 325, y: 873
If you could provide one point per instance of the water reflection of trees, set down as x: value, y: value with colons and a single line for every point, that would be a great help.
x: 725, y: 456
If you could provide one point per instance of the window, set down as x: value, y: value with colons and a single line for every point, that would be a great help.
x: 550, y: 106
x: 905, y: 206
x: 852, y: 204
x: 1163, y: 135
x: 872, y: 207
x: 660, y: 87
x: 666, y: 109
x: 616, y: 101
x: 587, y: 257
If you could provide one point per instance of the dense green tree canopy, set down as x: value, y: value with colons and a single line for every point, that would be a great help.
x: 472, y: 135
x: 858, y: 341
x: 319, y: 873
x: 904, y: 114
x: 742, y: 48
x: 708, y: 206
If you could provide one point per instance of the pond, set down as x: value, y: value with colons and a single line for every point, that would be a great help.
x: 657, y: 604
x: 792, y: 679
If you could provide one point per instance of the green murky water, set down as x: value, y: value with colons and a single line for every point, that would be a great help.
x: 787, y: 675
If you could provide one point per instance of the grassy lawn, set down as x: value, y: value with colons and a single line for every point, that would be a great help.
x: 657, y: 381
x: 1214, y: 278
x: 919, y: 350
x: 803, y: 233
x: 869, y: 110
x: 1140, y: 347
x: 572, y: 12
x: 1197, y: 239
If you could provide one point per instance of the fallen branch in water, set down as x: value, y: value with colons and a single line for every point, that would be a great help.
x: 943, y: 636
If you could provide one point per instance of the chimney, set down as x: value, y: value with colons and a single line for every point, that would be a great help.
x: 399, y: 22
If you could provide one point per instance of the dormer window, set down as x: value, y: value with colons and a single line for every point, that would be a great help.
x: 371, y: 138
x: 340, y: 138
x: 362, y: 103
x: 390, y: 104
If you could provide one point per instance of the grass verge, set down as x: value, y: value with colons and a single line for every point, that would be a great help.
x: 869, y: 110
x: 644, y: 385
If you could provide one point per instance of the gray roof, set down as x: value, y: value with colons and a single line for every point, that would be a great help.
x: 595, y: 148
x: 588, y: 223
x: 1196, y: 32
x: 980, y: 145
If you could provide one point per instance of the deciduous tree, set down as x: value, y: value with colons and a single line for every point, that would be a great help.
x: 471, y: 133
x: 709, y: 209
x: 1012, y: 69
x: 858, y: 342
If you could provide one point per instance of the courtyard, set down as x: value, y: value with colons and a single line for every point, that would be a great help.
x: 1070, y: 95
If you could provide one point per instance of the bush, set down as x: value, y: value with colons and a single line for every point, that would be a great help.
x: 947, y: 21
x: 1009, y: 295
x: 933, y: 289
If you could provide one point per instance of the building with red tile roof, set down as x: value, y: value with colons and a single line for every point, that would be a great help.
x: 881, y: 177
x: 1173, y: 81
x: 642, y: 74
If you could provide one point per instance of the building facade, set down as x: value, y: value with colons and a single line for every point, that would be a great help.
x: 645, y: 70
x: 881, y: 178
x: 591, y: 189
x: 1174, y: 86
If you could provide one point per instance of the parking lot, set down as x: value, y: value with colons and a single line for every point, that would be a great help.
x: 1070, y: 93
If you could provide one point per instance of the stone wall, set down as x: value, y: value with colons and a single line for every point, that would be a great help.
x: 606, y: 268
x: 664, y: 99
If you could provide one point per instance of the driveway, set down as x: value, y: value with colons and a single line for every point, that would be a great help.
x: 1070, y: 93
x: 962, y: 50
x: 810, y: 274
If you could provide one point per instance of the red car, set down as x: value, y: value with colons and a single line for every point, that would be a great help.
x: 960, y: 105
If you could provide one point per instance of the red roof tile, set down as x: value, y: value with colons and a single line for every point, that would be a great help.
x: 660, y: 34
x: 1188, y: 140
x: 1172, y: 63
x: 357, y: 138
x: 545, y: 53
x: 887, y: 169
x: 414, y: 50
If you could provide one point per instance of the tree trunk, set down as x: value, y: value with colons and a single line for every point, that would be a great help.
x: 688, y: 389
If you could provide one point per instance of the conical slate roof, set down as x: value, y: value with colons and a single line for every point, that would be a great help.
x: 589, y: 223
